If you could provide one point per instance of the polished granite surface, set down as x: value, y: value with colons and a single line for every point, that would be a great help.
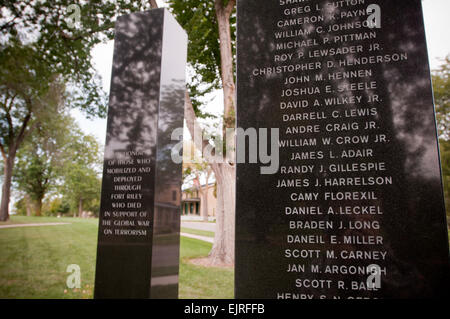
x: 138, y: 243
x: 359, y: 180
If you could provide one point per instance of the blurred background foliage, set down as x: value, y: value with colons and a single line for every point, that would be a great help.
x: 441, y: 89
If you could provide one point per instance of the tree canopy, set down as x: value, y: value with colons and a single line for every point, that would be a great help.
x: 198, y: 18
x: 43, y: 41
x: 441, y: 89
x: 211, y: 26
x: 60, y: 162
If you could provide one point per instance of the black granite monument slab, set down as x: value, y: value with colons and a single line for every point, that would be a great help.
x: 138, y: 239
x: 356, y: 207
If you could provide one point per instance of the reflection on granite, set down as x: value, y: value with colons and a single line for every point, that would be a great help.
x: 375, y: 105
x: 138, y: 243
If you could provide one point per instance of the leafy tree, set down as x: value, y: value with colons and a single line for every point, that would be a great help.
x: 193, y: 172
x: 34, y: 179
x: 20, y: 96
x: 56, y: 206
x: 211, y: 29
x: 21, y: 207
x: 441, y: 89
x: 80, y: 171
x: 444, y: 146
x: 41, y: 153
x: 50, y: 159
x: 199, y: 20
x: 82, y: 187
x: 41, y: 41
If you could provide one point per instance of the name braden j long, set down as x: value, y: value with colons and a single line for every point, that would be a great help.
x: 338, y: 181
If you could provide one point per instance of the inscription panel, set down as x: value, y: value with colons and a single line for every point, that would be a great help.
x: 356, y: 208
x: 138, y: 239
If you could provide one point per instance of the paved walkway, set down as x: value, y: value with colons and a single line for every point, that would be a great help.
x: 199, y: 226
x: 204, y: 238
x: 32, y: 225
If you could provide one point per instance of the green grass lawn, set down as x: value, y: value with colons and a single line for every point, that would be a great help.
x: 35, y: 220
x: 201, y: 282
x: 33, y: 261
x: 197, y: 232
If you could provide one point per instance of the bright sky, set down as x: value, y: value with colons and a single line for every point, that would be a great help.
x: 437, y: 26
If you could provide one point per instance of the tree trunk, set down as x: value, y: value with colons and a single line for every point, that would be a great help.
x: 28, y: 205
x: 226, y: 58
x: 38, y: 206
x: 153, y: 4
x: 6, y: 188
x: 9, y: 158
x: 205, y: 205
x: 80, y: 208
x: 223, y: 247
x: 205, y: 201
